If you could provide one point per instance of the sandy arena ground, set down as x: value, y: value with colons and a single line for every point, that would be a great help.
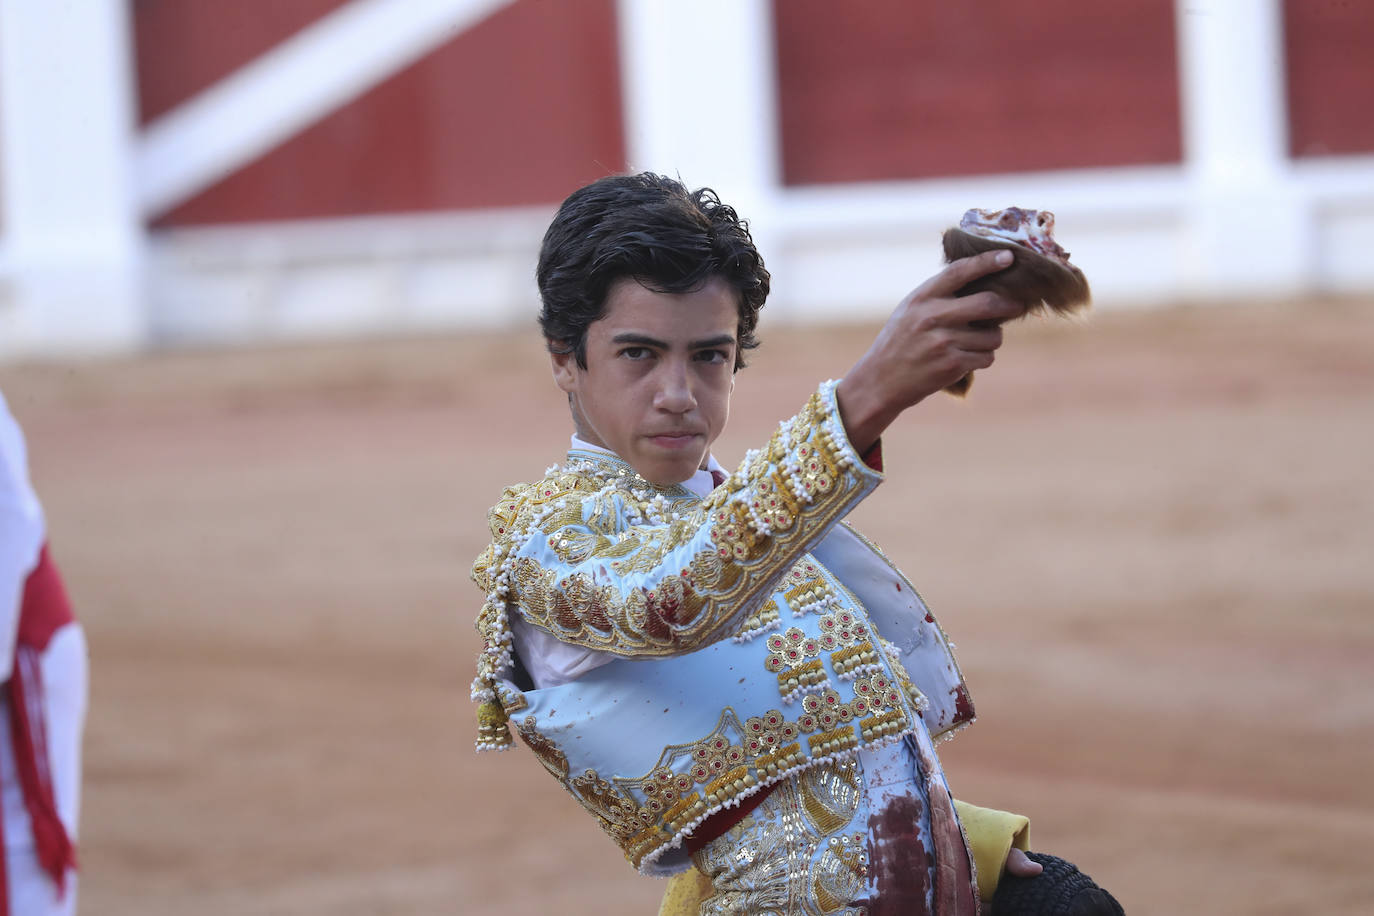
x: 1150, y: 534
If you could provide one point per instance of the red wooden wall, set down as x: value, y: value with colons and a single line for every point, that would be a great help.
x: 900, y: 89
x: 1329, y: 46
x: 519, y: 109
x: 525, y: 105
x: 184, y: 47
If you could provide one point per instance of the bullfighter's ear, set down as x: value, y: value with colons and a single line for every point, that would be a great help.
x: 566, y: 372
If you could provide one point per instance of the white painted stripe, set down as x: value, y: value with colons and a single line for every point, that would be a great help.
x: 288, y: 88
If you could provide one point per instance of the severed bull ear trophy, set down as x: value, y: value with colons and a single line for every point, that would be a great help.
x: 1041, y: 276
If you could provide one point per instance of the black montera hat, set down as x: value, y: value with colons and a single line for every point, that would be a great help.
x: 1060, y: 890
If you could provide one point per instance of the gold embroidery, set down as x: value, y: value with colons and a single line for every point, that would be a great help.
x: 783, y: 859
x: 780, y: 760
x: 834, y: 741
x: 807, y: 677
x: 812, y: 594
x: 844, y: 628
x: 754, y: 864
x: 713, y: 757
x: 544, y: 750
x: 492, y: 730
x: 511, y: 699
x: 830, y: 795
x: 793, y: 655
x: 883, y: 725
x: 600, y: 558
x: 645, y: 556
x: 575, y: 546
x: 615, y: 811
x: 608, y: 528
x: 879, y: 692
x: 839, y: 872
x: 764, y: 620
x: 691, y: 780
x: 732, y: 782
x: 852, y: 661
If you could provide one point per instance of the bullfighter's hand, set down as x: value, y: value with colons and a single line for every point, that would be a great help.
x: 930, y: 341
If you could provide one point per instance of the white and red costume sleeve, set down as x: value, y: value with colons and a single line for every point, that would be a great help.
x: 33, y: 608
x: 22, y: 533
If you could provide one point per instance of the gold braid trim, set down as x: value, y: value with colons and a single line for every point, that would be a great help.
x: 600, y: 558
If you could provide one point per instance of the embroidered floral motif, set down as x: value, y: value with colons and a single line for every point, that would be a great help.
x: 713, y: 757
x: 648, y: 814
x: 798, y: 853
x: 838, y: 875
x: 830, y: 795
x: 693, y: 780
x: 807, y: 591
x: 765, y: 733
x: 794, y: 657
x: 880, y: 690
x: 844, y: 627
x: 600, y: 558
x: 825, y: 710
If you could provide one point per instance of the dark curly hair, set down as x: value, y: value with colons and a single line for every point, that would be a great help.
x: 651, y: 228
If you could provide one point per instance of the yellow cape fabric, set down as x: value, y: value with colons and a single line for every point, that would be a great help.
x: 685, y: 892
x: 991, y: 835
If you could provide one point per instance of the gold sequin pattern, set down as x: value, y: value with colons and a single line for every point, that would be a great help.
x: 598, y: 557
x: 808, y: 677
x: 580, y: 512
x: 806, y: 591
x: 798, y: 853
x: 852, y: 661
x: 765, y: 619
x: 692, y: 780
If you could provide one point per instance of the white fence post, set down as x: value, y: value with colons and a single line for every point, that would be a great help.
x: 700, y: 100
x: 72, y: 241
x: 270, y: 99
x: 1249, y: 231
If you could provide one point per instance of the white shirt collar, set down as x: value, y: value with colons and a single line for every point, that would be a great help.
x: 700, y: 483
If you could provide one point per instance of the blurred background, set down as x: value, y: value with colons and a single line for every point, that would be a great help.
x: 266, y: 314
x: 180, y: 171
